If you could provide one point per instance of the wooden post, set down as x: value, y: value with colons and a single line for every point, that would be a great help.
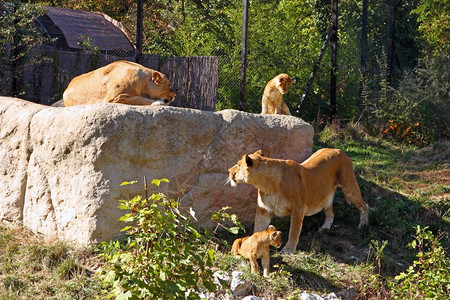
x: 334, y: 46
x: 313, y: 73
x: 139, y: 16
x: 363, y: 54
x: 244, y: 54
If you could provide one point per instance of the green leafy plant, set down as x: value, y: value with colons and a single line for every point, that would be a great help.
x: 429, y: 276
x: 221, y: 217
x: 164, y: 255
x: 279, y: 281
x: 376, y: 250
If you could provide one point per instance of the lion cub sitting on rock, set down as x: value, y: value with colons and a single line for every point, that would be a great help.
x: 256, y: 246
x: 272, y: 99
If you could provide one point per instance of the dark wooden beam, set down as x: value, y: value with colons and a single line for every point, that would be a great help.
x: 139, y: 17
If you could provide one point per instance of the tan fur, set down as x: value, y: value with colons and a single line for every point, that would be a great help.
x: 120, y: 82
x: 286, y: 188
x: 272, y: 99
x: 256, y: 247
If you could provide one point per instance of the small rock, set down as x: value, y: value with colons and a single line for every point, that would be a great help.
x: 310, y: 296
x: 221, y: 277
x: 239, y: 287
x: 331, y: 296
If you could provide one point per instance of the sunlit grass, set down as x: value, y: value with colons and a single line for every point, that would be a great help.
x: 404, y: 188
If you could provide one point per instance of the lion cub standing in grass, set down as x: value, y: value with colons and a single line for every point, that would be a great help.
x: 256, y: 246
x: 287, y: 188
x: 272, y: 99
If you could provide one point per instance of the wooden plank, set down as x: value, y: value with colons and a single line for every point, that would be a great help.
x: 194, y: 79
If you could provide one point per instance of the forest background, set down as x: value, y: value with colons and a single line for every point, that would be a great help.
x: 408, y: 190
x: 286, y: 37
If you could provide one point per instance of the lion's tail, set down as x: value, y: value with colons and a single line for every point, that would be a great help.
x: 236, y: 246
x: 59, y: 103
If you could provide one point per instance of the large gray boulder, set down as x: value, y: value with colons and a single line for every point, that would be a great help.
x: 61, y: 168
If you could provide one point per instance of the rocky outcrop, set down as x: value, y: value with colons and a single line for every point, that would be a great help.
x: 61, y: 168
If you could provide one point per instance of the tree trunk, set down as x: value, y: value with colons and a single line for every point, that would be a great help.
x: 313, y: 73
x: 334, y: 46
x: 363, y: 54
x: 392, y: 7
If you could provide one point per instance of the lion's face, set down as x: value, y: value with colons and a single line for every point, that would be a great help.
x: 283, y: 82
x: 240, y: 172
x: 275, y: 237
x: 162, y: 90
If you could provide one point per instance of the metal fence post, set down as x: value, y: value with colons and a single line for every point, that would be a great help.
x: 244, y: 53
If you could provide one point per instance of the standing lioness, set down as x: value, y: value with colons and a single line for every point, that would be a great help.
x: 287, y: 188
x: 120, y: 82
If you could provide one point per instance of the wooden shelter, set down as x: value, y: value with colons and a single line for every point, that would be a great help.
x: 77, y: 30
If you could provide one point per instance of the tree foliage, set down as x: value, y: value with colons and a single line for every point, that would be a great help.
x: 18, y: 36
x: 434, y: 23
x: 286, y: 36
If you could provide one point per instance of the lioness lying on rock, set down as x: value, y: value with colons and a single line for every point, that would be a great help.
x: 257, y: 246
x: 120, y: 82
x: 287, y: 188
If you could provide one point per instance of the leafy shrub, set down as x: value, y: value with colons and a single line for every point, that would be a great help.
x: 429, y: 275
x: 338, y: 132
x: 164, y: 256
x: 415, y: 112
x: 403, y: 132
x: 18, y: 36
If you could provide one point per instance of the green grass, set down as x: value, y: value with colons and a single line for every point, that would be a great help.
x: 404, y: 187
x: 33, y: 269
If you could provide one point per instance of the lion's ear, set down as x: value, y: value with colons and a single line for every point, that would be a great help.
x: 248, y: 161
x: 157, y: 78
x: 259, y: 152
x: 292, y: 80
x: 274, y: 234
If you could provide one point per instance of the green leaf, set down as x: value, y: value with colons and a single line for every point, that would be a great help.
x: 128, y: 182
x: 157, y: 182
x: 125, y: 296
x: 234, y: 230
x: 109, y: 277
x: 162, y: 275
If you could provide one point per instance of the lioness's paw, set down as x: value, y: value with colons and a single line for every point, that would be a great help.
x: 286, y: 250
x: 364, y: 221
x: 362, y: 225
